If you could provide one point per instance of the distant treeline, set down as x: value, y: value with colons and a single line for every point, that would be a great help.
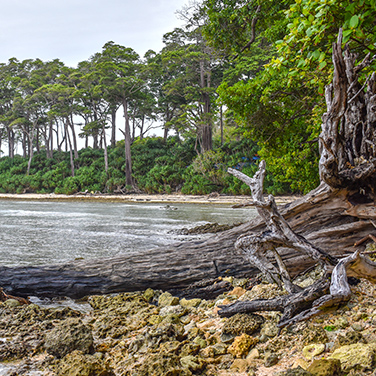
x: 159, y: 166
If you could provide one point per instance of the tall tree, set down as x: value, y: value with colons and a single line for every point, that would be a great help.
x: 8, y: 84
x: 119, y: 69
x: 193, y: 71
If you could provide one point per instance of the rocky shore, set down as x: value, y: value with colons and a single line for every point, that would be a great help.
x: 154, y: 333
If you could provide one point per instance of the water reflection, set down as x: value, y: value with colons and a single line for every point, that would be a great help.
x: 34, y: 232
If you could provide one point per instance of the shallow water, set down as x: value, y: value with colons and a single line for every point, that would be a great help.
x: 34, y: 232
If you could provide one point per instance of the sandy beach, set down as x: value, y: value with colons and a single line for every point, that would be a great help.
x: 157, y: 198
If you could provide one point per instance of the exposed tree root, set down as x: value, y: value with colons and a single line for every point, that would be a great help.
x: 299, y: 304
x: 348, y: 176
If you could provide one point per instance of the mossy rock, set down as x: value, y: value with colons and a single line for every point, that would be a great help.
x: 314, y: 334
x: 67, y: 336
x: 350, y: 338
x: 192, y: 363
x: 127, y: 303
x: 299, y: 371
x: 79, y: 364
x: 325, y: 367
x: 166, y: 299
x: 162, y: 365
x: 190, y: 303
x: 242, y: 323
x: 11, y: 303
x: 241, y: 345
x: 359, y: 357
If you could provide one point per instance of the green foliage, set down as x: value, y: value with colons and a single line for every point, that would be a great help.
x: 330, y: 328
x: 159, y: 167
x: 275, y: 93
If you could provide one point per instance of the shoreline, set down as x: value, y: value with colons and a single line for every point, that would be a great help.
x: 144, y: 198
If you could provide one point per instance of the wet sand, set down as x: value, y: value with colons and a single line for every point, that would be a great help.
x: 157, y: 198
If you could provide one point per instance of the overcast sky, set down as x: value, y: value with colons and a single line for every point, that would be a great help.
x: 74, y: 30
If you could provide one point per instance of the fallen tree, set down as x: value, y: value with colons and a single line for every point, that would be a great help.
x: 334, y: 217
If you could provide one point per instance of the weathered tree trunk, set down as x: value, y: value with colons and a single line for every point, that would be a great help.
x: 347, y: 172
x: 348, y: 137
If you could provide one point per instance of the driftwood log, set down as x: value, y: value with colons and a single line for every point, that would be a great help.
x: 325, y: 217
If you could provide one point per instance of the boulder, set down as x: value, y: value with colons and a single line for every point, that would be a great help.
x: 241, y: 345
x: 79, y: 364
x: 166, y: 299
x: 359, y: 357
x: 325, y: 367
x: 67, y: 336
x: 242, y: 323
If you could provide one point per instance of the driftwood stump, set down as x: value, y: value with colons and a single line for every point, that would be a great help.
x: 347, y: 169
x: 300, y: 304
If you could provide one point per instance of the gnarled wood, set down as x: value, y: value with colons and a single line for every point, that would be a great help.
x: 348, y: 137
x: 348, y: 174
x: 311, y: 301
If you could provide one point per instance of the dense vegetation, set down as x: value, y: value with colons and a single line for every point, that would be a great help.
x: 160, y: 167
x: 243, y: 77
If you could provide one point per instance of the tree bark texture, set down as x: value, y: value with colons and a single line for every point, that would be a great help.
x: 348, y: 137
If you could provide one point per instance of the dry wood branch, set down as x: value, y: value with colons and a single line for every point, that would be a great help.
x: 300, y: 304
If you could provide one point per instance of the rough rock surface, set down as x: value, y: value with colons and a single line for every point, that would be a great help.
x: 67, y: 336
x: 154, y: 333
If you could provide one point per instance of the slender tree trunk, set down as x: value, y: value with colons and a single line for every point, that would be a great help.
x: 221, y: 123
x: 37, y: 143
x: 165, y: 134
x: 10, y: 142
x: 51, y: 141
x: 113, y: 127
x: 47, y: 142
x: 74, y: 137
x: 31, y: 150
x: 57, y: 137
x: 206, y: 131
x: 24, y: 145
x: 70, y: 147
x: 105, y: 149
x: 133, y: 129
x: 95, y: 139
x: 142, y: 127
x: 128, y: 157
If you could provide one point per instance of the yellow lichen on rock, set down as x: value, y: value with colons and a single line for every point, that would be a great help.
x: 241, y: 345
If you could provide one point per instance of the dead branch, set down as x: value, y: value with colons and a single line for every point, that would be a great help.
x: 300, y: 304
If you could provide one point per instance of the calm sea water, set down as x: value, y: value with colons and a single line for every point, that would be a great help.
x: 34, y: 232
